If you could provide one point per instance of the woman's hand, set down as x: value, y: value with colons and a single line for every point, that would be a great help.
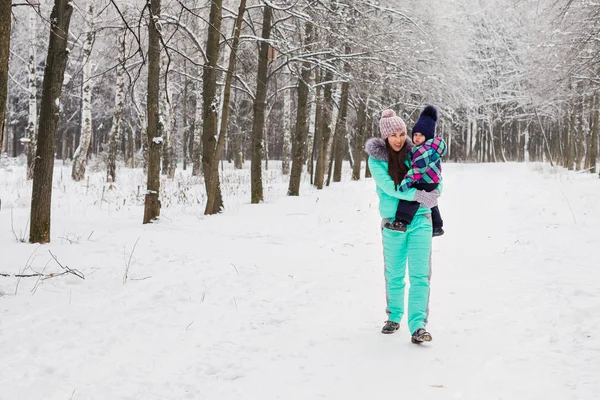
x: 427, y: 199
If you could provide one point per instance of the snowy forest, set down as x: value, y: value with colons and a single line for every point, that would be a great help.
x: 196, y: 199
x: 169, y: 84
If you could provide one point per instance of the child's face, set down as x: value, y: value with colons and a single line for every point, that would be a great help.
x: 396, y: 140
x: 418, y: 138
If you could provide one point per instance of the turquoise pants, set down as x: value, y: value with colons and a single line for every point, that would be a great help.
x: 412, y: 247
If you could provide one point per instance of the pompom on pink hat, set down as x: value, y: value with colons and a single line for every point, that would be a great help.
x: 390, y: 123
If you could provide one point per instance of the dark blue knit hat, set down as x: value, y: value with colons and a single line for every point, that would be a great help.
x: 426, y: 122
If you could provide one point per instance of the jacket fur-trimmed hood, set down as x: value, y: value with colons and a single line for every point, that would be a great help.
x: 375, y: 147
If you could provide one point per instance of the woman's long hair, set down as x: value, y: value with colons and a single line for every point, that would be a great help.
x: 396, y: 162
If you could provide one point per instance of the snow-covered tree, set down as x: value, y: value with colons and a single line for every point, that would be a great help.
x: 80, y: 156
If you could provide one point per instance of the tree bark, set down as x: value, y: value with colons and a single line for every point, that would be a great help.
x: 32, y: 112
x: 167, y: 119
x: 80, y: 156
x: 287, y: 133
x: 154, y: 140
x: 593, y: 150
x: 313, y: 129
x: 301, y: 120
x: 196, y: 139
x: 186, y: 131
x: 210, y: 104
x: 571, y: 138
x: 56, y: 62
x: 359, y: 142
x: 368, y: 133
x: 5, y: 25
x: 341, y: 128
x: 238, y: 151
x: 341, y: 131
x: 214, y: 167
x: 258, y: 122
x: 115, y: 131
x: 325, y: 120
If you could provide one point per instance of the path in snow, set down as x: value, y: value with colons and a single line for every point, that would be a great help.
x: 285, y: 300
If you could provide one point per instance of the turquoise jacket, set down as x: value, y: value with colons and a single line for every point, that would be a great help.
x: 386, y: 189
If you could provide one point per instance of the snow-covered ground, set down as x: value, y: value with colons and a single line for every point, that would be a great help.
x: 285, y: 300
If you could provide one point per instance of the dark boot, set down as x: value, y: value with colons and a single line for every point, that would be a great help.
x: 438, y: 232
x: 390, y: 327
x: 420, y: 336
x: 396, y: 226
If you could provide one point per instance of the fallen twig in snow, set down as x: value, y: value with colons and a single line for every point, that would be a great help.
x: 22, y: 238
x: 27, y: 265
x: 67, y: 269
x: 570, y: 208
x: 141, y: 279
x: 42, y: 276
x: 129, y: 261
x: 71, y: 241
x: 23, y: 275
x: 236, y: 270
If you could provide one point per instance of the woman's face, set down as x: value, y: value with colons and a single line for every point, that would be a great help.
x: 397, y: 140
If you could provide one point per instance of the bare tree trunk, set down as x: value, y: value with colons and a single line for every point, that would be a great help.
x: 593, y: 150
x: 310, y: 140
x: 168, y: 134
x: 214, y: 167
x: 325, y: 121
x: 186, y: 138
x: 131, y: 147
x: 186, y: 131
x: 258, y: 122
x: 369, y: 133
x: 287, y: 133
x: 32, y: 117
x: 359, y: 142
x: 115, y: 131
x: 341, y: 128
x: 238, y: 155
x: 210, y: 104
x: 80, y: 156
x: 341, y: 131
x: 266, y: 142
x: 196, y: 139
x: 330, y: 152
x: 315, y: 126
x: 313, y: 136
x: 168, y: 123
x: 579, y: 149
x: 5, y: 25
x: 449, y: 141
x: 301, y: 120
x: 571, y: 151
x: 56, y: 62
x: 154, y: 140
x: 64, y: 151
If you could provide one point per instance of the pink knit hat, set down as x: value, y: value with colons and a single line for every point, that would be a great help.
x: 390, y: 123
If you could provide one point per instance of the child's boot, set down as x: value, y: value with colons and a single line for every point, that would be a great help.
x: 396, y: 226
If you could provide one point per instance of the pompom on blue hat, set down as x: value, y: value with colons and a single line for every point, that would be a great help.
x: 426, y: 122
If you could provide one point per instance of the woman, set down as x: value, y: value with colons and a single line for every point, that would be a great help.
x: 389, y: 161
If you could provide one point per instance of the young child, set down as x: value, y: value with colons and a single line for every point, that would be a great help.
x: 425, y: 173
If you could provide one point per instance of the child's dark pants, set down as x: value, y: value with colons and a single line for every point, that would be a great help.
x: 407, y: 209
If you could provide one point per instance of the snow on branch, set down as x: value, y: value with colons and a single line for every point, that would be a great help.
x: 171, y: 20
